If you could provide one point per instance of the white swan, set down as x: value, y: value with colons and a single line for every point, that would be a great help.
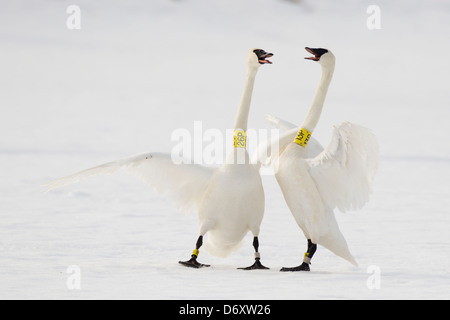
x: 229, y: 200
x: 315, y: 181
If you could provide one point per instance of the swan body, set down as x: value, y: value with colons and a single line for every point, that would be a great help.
x: 229, y: 200
x: 314, y: 181
x: 234, y: 205
x: 304, y: 200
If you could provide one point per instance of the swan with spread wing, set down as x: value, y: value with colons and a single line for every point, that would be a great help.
x: 229, y: 200
x: 314, y: 181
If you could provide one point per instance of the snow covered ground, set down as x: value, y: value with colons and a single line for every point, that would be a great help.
x: 138, y: 70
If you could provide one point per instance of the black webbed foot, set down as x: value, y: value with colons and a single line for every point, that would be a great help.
x: 303, y: 267
x: 256, y: 266
x: 193, y: 263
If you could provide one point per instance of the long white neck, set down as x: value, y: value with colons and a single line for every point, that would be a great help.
x: 315, y: 110
x: 246, y: 99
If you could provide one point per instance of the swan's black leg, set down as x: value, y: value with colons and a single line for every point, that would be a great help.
x: 312, y: 247
x: 257, y: 264
x: 193, y: 263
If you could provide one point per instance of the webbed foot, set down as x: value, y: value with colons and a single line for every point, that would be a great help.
x: 303, y: 267
x: 256, y: 266
x: 193, y: 263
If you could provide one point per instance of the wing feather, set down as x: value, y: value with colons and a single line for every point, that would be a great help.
x: 345, y: 170
x: 185, y: 183
x: 281, y: 124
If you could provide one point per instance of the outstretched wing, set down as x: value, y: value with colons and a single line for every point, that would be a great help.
x: 185, y: 183
x: 345, y: 170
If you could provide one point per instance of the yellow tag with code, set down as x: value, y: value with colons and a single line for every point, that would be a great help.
x: 302, y: 137
x: 240, y: 139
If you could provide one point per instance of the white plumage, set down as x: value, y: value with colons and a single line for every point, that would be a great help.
x: 184, y: 183
x: 339, y: 177
x: 315, y: 181
x: 345, y: 170
x: 229, y: 200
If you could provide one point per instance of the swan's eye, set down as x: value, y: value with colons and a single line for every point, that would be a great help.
x: 259, y: 52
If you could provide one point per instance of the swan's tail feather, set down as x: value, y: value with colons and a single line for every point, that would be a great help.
x: 348, y: 256
x: 338, y: 245
x: 221, y: 250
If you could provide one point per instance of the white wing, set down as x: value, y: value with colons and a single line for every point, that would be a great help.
x: 281, y: 124
x: 345, y: 170
x: 185, y: 183
x: 267, y: 151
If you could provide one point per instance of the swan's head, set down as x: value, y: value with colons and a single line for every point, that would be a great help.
x: 324, y: 56
x: 258, y: 57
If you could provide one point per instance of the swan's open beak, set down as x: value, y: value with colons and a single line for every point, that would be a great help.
x: 316, y: 52
x: 262, y: 56
x: 264, y: 60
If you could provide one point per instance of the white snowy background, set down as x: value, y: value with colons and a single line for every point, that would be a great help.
x: 138, y: 70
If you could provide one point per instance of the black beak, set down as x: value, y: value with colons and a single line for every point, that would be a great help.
x: 263, y: 56
x: 316, y: 52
